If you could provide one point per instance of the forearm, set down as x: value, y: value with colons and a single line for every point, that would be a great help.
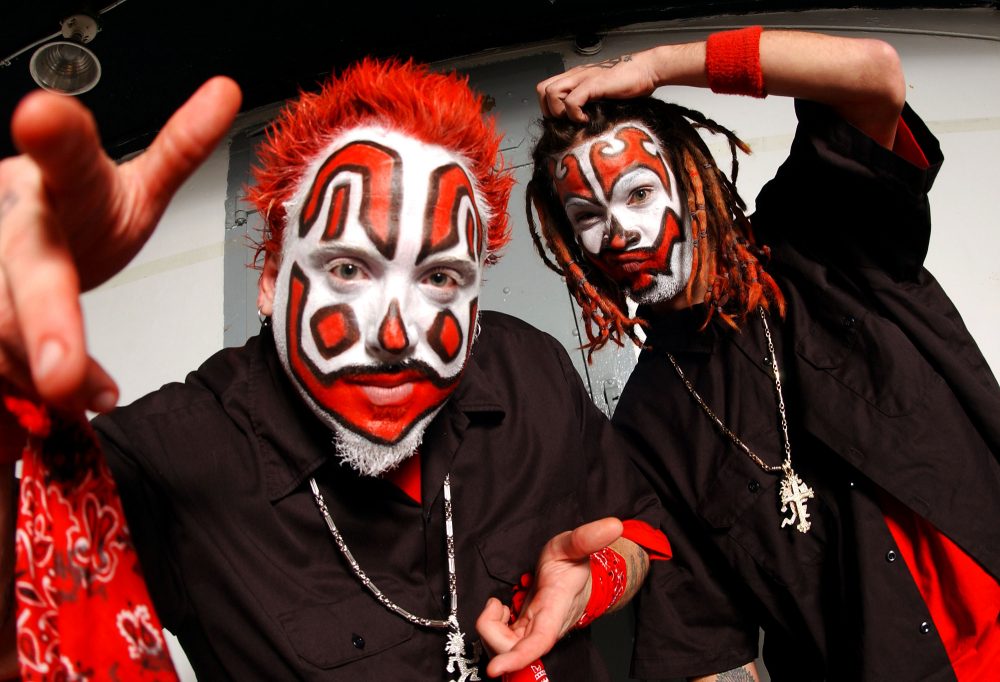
x: 746, y: 673
x: 861, y: 79
x: 637, y: 563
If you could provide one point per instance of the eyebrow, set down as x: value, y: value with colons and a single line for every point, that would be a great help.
x: 577, y: 200
x: 330, y: 250
x: 462, y: 264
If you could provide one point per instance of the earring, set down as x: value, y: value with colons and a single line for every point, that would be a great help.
x: 265, y: 320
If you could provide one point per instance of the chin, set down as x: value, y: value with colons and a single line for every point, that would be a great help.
x: 664, y: 288
x: 374, y: 459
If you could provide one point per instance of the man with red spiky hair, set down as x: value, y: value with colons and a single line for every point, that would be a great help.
x: 339, y: 498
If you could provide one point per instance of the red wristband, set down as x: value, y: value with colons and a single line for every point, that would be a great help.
x: 608, y: 576
x: 732, y: 62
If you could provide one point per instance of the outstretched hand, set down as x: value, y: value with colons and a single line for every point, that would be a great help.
x: 557, y: 599
x: 70, y: 218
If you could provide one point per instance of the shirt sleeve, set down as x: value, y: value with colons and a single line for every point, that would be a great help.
x: 693, y: 615
x: 613, y: 484
x: 148, y: 514
x: 842, y: 198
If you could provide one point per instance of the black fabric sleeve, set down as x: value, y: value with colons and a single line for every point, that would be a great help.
x: 841, y: 198
x: 148, y: 515
x: 614, y: 487
x: 693, y: 615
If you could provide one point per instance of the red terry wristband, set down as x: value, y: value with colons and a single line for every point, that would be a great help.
x: 608, y: 576
x: 732, y: 62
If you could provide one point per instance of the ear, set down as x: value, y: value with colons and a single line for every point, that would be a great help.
x: 265, y: 285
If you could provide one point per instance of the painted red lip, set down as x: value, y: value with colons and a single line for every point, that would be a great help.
x: 624, y: 263
x: 385, y: 379
x: 626, y: 256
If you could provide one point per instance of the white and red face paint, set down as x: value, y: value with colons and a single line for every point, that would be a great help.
x: 624, y: 205
x: 376, y: 295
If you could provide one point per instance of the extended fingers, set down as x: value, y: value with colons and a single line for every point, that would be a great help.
x: 60, y: 135
x: 187, y: 138
x: 530, y: 644
x: 493, y: 625
x: 41, y: 315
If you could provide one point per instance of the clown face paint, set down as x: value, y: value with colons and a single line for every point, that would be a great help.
x: 622, y: 200
x: 376, y: 296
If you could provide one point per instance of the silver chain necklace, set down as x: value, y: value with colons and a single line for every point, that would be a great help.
x: 465, y: 667
x: 794, y: 492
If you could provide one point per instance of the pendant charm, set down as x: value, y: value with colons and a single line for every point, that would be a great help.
x: 467, y: 668
x: 794, y: 493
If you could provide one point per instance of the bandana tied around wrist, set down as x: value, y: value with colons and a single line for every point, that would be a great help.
x: 83, y: 610
x: 608, y: 577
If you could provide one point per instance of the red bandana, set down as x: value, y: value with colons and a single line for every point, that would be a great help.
x: 83, y: 611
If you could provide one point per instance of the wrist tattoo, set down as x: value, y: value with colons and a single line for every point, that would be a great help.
x: 736, y: 675
x: 7, y: 202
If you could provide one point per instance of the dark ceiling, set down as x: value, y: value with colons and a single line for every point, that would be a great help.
x: 155, y: 53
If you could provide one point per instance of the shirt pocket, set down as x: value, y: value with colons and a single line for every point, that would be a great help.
x: 513, y: 550
x: 741, y: 505
x: 868, y: 355
x: 334, y: 634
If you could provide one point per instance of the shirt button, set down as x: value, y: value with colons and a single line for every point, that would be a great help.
x: 890, y: 556
x: 358, y: 641
x: 753, y: 486
x: 925, y: 628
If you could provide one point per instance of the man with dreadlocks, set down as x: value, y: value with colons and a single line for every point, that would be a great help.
x: 807, y: 401
x: 339, y: 498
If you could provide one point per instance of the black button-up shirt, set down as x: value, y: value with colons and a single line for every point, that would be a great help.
x: 214, y: 472
x: 886, y: 394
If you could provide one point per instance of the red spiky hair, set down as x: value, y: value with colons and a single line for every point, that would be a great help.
x: 406, y: 97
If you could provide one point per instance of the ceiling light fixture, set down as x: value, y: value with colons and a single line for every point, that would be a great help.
x: 66, y: 66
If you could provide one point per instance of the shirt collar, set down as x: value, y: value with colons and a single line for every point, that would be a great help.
x: 679, y: 331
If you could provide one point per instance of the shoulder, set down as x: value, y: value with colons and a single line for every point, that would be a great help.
x: 216, y: 388
x: 519, y: 360
x: 505, y: 338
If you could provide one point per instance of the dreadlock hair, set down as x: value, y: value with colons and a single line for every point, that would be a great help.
x: 405, y: 97
x: 726, y: 259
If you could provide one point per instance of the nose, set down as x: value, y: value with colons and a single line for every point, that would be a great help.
x: 618, y: 238
x: 392, y: 340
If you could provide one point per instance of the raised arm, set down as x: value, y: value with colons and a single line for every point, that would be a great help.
x: 861, y: 79
x: 70, y: 218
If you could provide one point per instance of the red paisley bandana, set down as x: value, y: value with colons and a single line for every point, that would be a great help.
x: 83, y: 611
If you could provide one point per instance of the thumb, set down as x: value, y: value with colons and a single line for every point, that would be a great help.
x: 588, y: 538
x: 188, y: 137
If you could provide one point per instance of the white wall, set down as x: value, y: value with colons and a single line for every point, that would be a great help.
x: 163, y: 315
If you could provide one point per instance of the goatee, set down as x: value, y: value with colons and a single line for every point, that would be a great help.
x: 374, y: 459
